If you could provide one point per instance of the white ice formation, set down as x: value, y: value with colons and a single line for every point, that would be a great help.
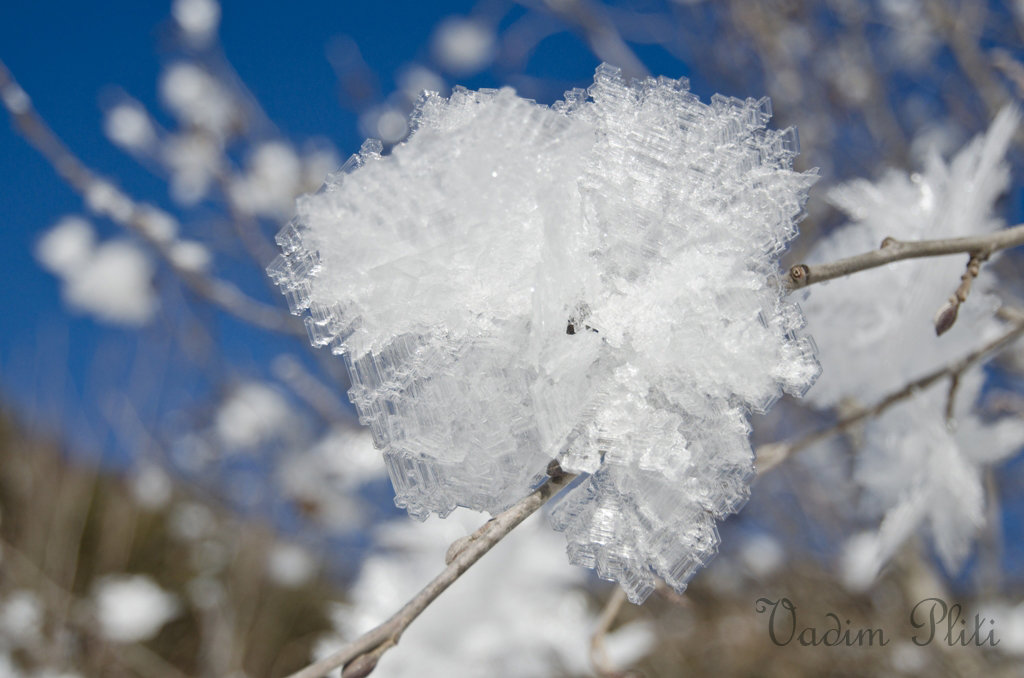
x: 876, y: 328
x: 916, y: 471
x: 593, y: 282
x: 132, y: 608
x: 112, y: 280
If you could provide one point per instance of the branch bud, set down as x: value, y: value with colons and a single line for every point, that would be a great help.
x: 946, y: 316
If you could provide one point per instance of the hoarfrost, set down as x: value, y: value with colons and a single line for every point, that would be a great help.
x: 923, y: 475
x: 252, y: 413
x: 271, y: 181
x: 112, y: 280
x: 190, y: 256
x: 917, y: 471
x: 875, y: 330
x: 594, y: 282
x: 21, y: 619
x: 128, y: 125
x: 132, y: 608
x: 67, y: 247
x: 537, y: 623
x: 464, y: 46
x: 197, y: 18
x: 198, y: 99
x: 290, y: 566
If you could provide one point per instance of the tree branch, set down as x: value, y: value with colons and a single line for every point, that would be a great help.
x: 598, y: 653
x: 108, y: 201
x: 361, y: 655
x: 946, y: 315
x: 802, y: 275
x: 771, y: 455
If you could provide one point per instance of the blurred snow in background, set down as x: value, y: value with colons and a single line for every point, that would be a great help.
x: 518, y: 612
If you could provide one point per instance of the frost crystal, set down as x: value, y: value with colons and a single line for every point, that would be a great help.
x: 593, y: 282
x: 132, y: 608
x: 922, y: 474
x: 915, y: 470
x: 112, y: 280
x: 876, y: 329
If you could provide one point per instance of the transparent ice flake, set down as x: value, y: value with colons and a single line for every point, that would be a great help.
x: 594, y: 282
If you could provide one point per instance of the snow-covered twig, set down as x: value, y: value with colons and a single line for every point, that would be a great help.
x: 771, y: 455
x: 132, y: 215
x: 892, y: 250
x: 360, y: 656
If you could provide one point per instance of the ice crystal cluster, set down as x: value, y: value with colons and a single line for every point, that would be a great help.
x: 876, y: 329
x: 917, y: 471
x: 593, y: 282
x: 924, y: 476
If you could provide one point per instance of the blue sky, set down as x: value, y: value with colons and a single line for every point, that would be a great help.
x: 70, y: 57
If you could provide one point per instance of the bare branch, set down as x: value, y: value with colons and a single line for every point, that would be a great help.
x: 1010, y: 67
x: 954, y: 384
x: 669, y: 594
x: 104, y: 199
x: 598, y: 653
x: 361, y: 655
x: 770, y: 456
x: 892, y: 250
x: 946, y: 315
x: 310, y: 389
x: 962, y: 25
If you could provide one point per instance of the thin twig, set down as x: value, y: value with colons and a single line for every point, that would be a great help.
x: 954, y: 384
x: 946, y: 315
x: 990, y: 543
x: 598, y: 653
x: 770, y: 456
x: 130, y: 214
x: 361, y: 655
x: 892, y: 250
x: 669, y: 594
x: 962, y: 25
x: 310, y: 389
x: 1012, y: 69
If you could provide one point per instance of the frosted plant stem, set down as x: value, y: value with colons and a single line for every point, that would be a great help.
x: 598, y: 652
x: 84, y: 181
x: 771, y: 455
x: 892, y: 250
x: 361, y: 655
